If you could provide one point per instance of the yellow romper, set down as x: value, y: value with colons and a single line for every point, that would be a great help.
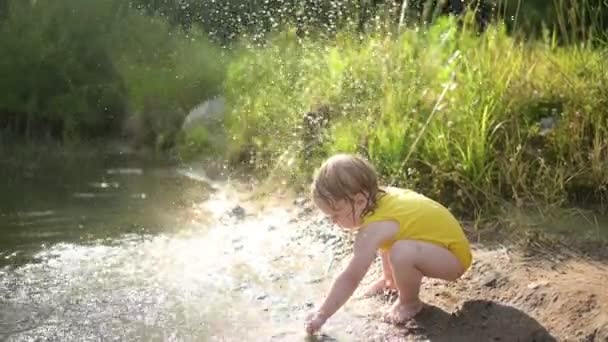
x: 421, y: 218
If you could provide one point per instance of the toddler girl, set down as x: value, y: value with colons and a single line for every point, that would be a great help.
x: 415, y: 235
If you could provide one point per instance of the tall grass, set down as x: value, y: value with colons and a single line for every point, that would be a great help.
x: 477, y: 121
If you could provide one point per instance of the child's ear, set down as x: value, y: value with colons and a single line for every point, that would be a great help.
x: 361, y: 198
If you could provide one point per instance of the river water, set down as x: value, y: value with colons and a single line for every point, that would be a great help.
x: 113, y: 247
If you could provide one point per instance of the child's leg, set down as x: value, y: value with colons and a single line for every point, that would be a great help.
x: 410, y: 261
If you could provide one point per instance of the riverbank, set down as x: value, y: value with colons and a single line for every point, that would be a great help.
x: 157, y: 252
x: 512, y: 292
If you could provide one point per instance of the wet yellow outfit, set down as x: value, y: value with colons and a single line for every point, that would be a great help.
x: 420, y: 218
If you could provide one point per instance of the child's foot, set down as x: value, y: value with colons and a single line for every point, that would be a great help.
x: 400, y: 313
x: 378, y: 287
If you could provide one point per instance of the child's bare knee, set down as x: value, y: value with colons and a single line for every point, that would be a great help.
x: 404, y: 251
x: 454, y: 275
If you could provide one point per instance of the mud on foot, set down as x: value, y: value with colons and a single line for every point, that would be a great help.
x: 400, y: 313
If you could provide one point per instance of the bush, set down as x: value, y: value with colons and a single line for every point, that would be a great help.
x: 84, y: 69
x: 166, y: 72
x: 57, y: 77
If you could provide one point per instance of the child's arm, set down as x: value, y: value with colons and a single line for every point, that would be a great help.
x: 364, y: 253
x: 385, y: 281
x: 387, y: 269
x: 346, y: 283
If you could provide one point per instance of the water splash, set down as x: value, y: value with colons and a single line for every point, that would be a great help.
x: 246, y: 278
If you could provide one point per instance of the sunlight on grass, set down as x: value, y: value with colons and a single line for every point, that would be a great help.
x: 521, y: 122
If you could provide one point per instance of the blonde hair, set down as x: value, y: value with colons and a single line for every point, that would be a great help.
x: 343, y: 176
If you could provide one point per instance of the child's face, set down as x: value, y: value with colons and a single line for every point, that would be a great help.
x: 343, y: 213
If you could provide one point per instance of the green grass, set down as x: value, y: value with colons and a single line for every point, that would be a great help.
x: 449, y: 112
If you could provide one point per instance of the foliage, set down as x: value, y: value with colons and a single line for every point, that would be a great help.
x: 98, y: 68
x: 472, y: 120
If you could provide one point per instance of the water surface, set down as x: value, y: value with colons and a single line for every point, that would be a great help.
x: 120, y: 248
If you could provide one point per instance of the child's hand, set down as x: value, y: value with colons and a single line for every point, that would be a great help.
x: 314, y: 322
